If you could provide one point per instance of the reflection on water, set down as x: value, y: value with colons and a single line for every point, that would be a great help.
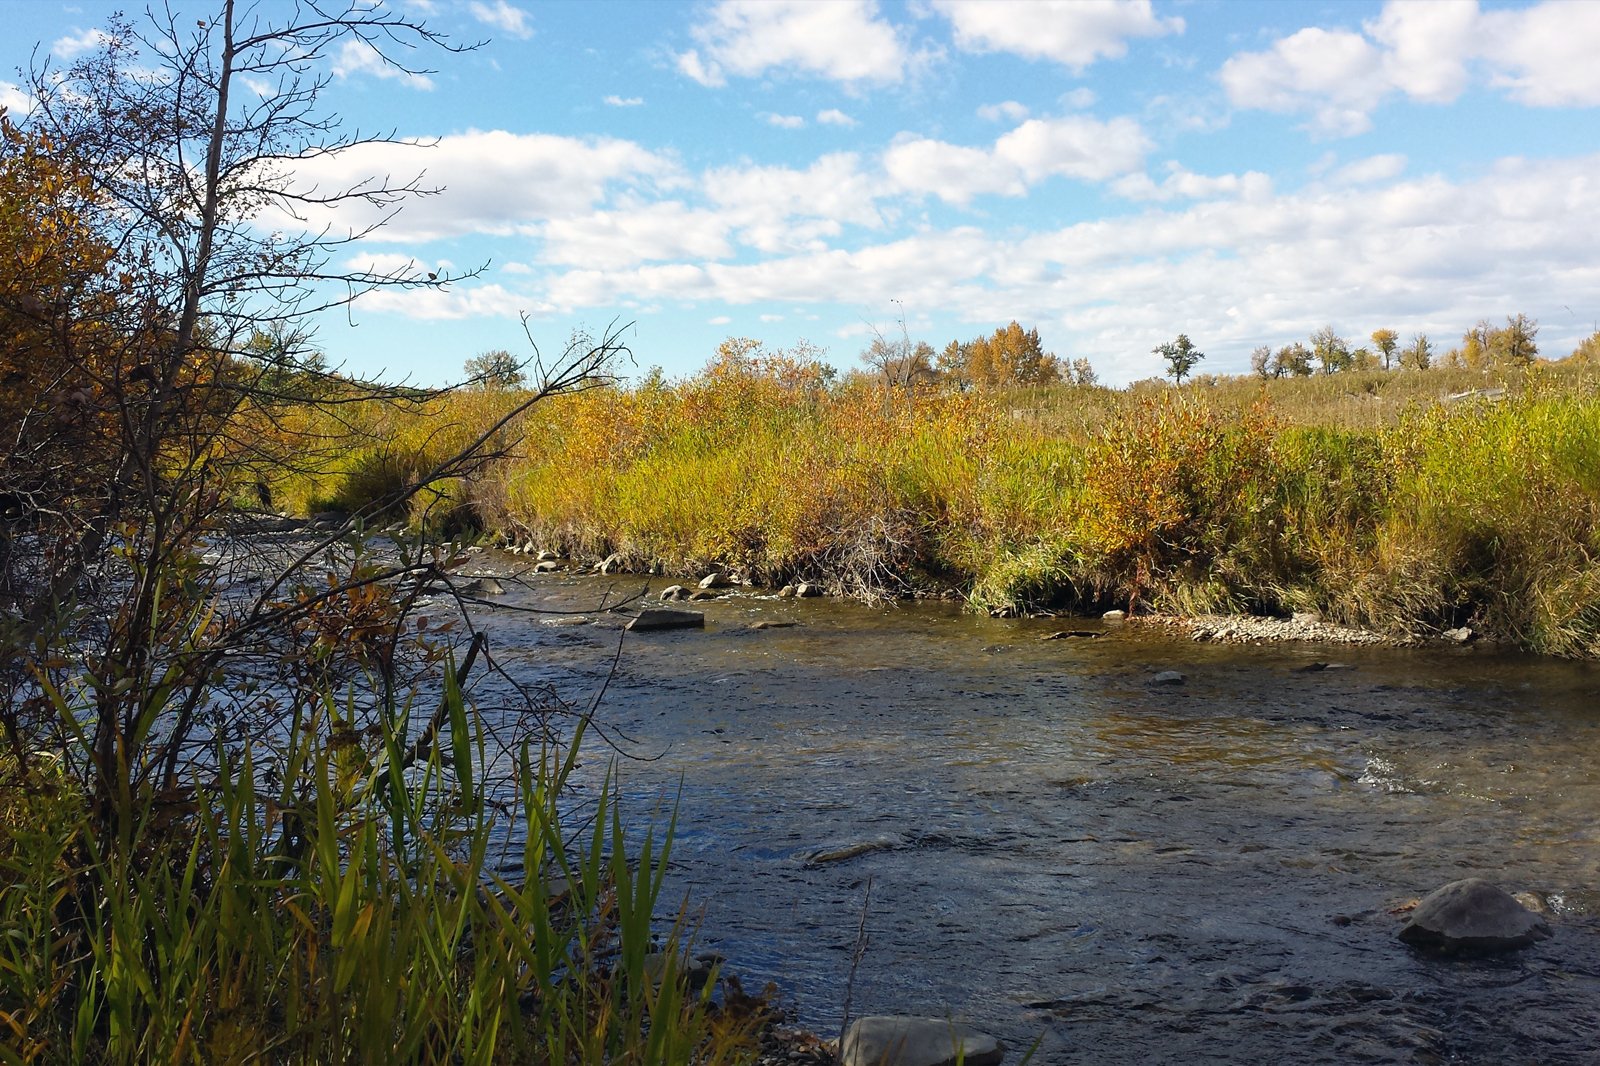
x: 1137, y: 873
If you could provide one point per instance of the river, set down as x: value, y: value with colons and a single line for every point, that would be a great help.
x: 1063, y: 851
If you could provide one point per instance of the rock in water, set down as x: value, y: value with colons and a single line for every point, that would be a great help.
x: 653, y: 618
x: 674, y: 592
x: 1168, y: 677
x: 900, y: 1041
x: 1473, y: 915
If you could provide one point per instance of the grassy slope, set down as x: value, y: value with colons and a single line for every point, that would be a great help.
x: 1358, y: 494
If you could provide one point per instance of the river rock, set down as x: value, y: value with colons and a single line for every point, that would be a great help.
x: 654, y: 618
x: 612, y: 564
x: 485, y: 586
x: 548, y: 556
x: 548, y: 566
x: 1168, y: 677
x: 716, y: 580
x: 1473, y: 915
x: 702, y: 594
x: 1114, y: 616
x: 885, y: 1040
x: 1462, y: 635
x: 805, y: 590
x: 766, y: 623
x: 674, y: 592
x: 786, y: 593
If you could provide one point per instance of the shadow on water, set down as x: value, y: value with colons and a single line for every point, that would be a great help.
x: 1141, y: 873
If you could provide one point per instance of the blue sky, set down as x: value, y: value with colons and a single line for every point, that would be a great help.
x: 1110, y: 173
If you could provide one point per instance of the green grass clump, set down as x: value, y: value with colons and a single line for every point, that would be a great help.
x: 352, y: 914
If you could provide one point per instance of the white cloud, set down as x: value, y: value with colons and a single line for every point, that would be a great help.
x: 516, y: 268
x: 1182, y: 184
x: 358, y: 57
x: 1545, y: 56
x: 1334, y: 74
x: 783, y: 122
x: 772, y: 318
x: 14, y: 100
x: 784, y: 210
x: 614, y: 100
x: 70, y: 47
x: 1073, y: 33
x: 834, y: 117
x: 493, y: 182
x: 1004, y: 111
x: 1371, y: 169
x: 502, y: 16
x: 720, y: 320
x: 952, y: 172
x: 1427, y: 46
x: 1075, y: 146
x: 843, y: 40
x: 1079, y: 99
x: 1541, y: 56
x: 623, y: 238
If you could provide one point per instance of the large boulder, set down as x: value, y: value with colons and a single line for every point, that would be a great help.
x: 1473, y: 915
x: 715, y: 580
x: 656, y: 618
x: 902, y: 1041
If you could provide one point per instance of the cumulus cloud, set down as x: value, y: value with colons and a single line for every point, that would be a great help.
x: 492, y: 182
x: 1232, y: 267
x: 502, y: 16
x: 834, y: 117
x: 1541, y: 56
x: 1074, y: 146
x: 621, y: 238
x: 74, y: 45
x: 843, y: 41
x: 358, y: 57
x: 1183, y: 184
x: 1336, y: 75
x: 14, y: 100
x: 1074, y: 33
x: 1371, y: 169
x: 1544, y: 56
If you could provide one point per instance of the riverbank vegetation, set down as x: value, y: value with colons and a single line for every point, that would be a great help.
x: 250, y: 810
x: 1409, y: 502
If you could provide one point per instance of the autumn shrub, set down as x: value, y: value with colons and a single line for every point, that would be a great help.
x: 1179, y: 504
x: 1495, y: 522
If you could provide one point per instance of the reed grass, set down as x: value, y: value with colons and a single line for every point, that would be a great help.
x: 353, y: 914
x: 1380, y: 498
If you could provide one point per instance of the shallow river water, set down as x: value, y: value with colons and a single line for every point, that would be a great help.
x: 1125, y: 872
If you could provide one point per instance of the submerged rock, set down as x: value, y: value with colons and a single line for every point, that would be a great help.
x: 885, y: 1040
x: 485, y: 586
x: 674, y: 592
x: 1168, y: 677
x: 1473, y: 915
x: 654, y: 618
